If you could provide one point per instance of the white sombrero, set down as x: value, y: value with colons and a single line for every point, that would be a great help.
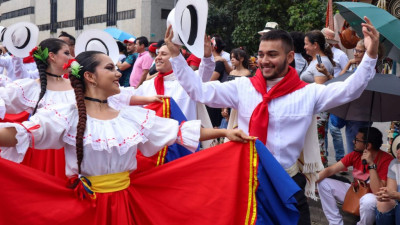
x: 329, y: 35
x: 189, y: 20
x: 97, y: 40
x: 393, y: 147
x: 2, y: 31
x: 21, y: 38
x: 268, y: 27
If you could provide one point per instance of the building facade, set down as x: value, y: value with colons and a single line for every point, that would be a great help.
x: 138, y: 17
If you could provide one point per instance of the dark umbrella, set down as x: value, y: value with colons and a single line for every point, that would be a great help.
x: 387, y: 25
x: 380, y: 101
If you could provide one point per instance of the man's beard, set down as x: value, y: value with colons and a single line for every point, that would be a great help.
x: 279, y: 70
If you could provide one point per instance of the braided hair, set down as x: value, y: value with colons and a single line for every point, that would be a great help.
x: 89, y: 62
x: 53, y: 45
x: 318, y: 36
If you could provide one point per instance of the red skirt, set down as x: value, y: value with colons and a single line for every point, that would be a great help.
x: 20, y: 117
x: 196, y: 189
x: 51, y: 161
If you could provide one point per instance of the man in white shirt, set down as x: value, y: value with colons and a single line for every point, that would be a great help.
x: 289, y: 115
x: 339, y: 56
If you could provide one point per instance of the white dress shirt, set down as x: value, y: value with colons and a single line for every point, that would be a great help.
x: 174, y: 89
x: 289, y: 116
x: 340, y: 59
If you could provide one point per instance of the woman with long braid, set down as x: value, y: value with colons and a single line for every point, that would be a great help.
x: 30, y: 95
x: 100, y: 142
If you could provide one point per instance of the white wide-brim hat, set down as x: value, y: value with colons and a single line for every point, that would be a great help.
x: 2, y: 31
x: 21, y: 38
x: 329, y: 35
x: 268, y: 27
x: 97, y: 40
x: 189, y: 21
x: 393, y: 147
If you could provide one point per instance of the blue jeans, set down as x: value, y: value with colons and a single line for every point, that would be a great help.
x: 352, y: 127
x: 337, y: 140
x: 391, y: 217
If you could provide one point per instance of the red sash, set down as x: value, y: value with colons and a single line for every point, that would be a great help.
x: 159, y: 82
x: 258, y: 126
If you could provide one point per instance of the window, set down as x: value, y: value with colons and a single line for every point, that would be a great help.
x: 53, y: 16
x: 165, y: 13
x: 111, y: 12
x: 79, y: 15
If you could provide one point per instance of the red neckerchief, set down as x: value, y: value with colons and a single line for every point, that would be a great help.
x: 159, y: 82
x: 28, y: 59
x: 258, y: 126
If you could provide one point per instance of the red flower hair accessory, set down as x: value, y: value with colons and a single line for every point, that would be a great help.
x: 40, y: 54
x: 75, y: 67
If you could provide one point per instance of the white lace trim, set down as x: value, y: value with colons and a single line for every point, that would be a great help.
x: 105, y: 135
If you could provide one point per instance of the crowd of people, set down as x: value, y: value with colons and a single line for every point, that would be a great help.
x: 89, y: 118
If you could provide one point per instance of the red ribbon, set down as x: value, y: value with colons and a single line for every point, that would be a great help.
x: 29, y: 130
x: 180, y: 132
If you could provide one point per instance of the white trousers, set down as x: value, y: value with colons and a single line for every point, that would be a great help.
x: 332, y: 191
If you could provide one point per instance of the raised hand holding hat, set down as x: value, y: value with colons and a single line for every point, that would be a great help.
x: 21, y: 38
x: 189, y: 20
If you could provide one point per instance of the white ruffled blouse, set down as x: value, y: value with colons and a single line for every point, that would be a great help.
x: 22, y: 95
x: 110, y: 146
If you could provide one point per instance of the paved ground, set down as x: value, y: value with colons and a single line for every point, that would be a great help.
x: 317, y: 215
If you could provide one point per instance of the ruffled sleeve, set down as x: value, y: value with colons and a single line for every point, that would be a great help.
x: 165, y: 132
x: 4, y: 80
x: 20, y: 95
x: 122, y: 99
x: 46, y: 129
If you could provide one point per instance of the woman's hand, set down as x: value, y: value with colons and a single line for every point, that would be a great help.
x: 219, y: 58
x: 238, y: 135
x: 385, y: 195
x: 145, y: 100
x: 156, y: 98
x: 322, y: 69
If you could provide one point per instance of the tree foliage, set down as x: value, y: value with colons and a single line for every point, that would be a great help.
x: 238, y: 22
x: 307, y: 15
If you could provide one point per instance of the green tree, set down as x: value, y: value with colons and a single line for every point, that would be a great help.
x: 238, y: 22
x: 307, y: 15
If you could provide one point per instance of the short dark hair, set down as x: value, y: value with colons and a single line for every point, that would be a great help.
x: 374, y: 136
x: 71, y: 38
x: 282, y: 35
x: 298, y: 41
x: 160, y: 43
x: 121, y: 46
x: 142, y: 41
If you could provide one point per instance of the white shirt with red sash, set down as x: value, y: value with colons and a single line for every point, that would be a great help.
x: 289, y: 116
